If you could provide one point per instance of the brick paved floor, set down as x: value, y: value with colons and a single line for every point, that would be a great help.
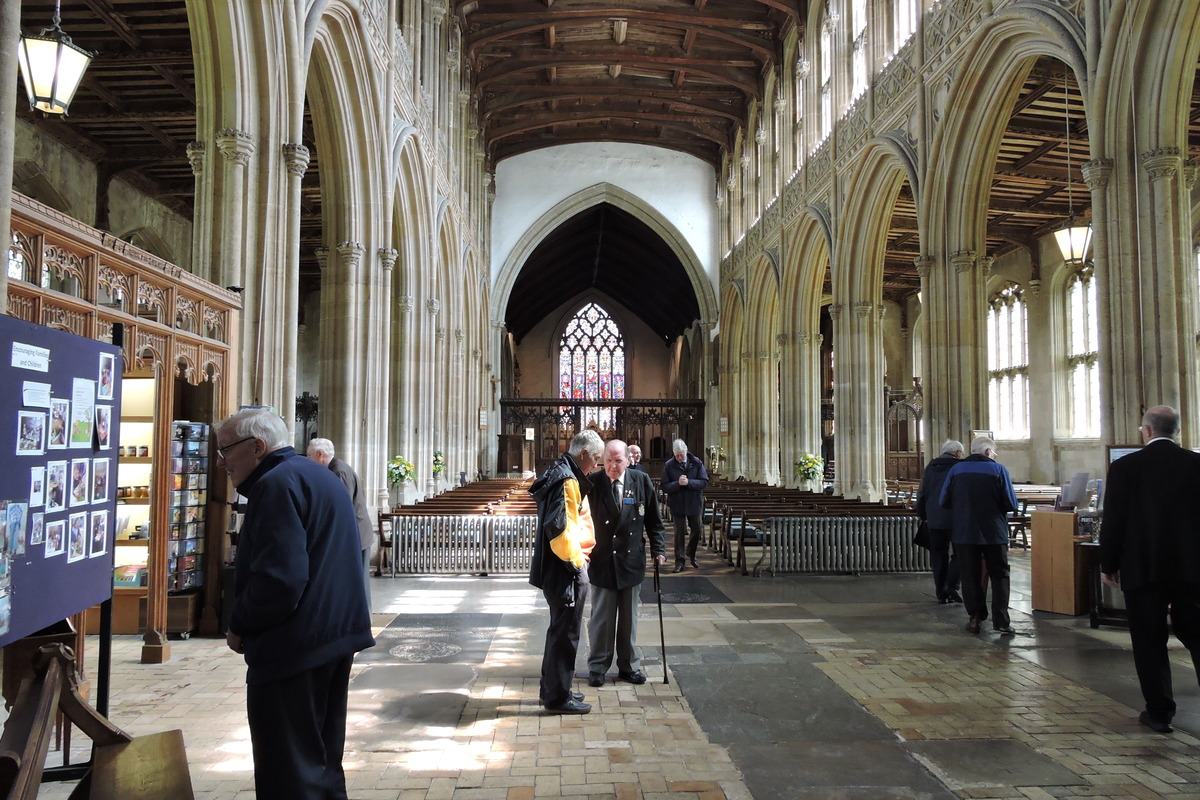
x: 975, y: 717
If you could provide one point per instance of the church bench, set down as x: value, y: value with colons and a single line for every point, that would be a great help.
x: 123, y: 767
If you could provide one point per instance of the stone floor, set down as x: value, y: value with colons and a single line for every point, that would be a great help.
x: 793, y: 688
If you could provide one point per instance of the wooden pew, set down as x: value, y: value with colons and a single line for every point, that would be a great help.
x: 123, y: 767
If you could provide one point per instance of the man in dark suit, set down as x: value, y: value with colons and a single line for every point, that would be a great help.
x: 1150, y: 548
x: 683, y: 480
x: 635, y: 459
x: 625, y: 513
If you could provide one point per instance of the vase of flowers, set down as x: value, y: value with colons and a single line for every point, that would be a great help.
x: 439, y: 462
x: 809, y: 468
x: 400, y: 471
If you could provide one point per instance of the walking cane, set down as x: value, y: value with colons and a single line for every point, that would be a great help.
x: 661, y: 632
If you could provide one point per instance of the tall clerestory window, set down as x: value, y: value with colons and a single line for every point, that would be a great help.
x: 591, y: 364
x: 1008, y: 363
x: 858, y: 19
x: 1083, y: 368
x: 826, y: 73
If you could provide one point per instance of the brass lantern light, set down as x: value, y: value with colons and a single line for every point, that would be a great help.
x: 52, y: 67
x: 1073, y: 240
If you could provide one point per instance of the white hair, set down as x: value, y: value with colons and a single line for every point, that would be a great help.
x: 587, y: 440
x: 950, y: 447
x: 322, y: 446
x: 981, y: 444
x: 679, y: 446
x: 259, y: 423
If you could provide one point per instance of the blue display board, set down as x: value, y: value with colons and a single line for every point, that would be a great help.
x: 61, y: 395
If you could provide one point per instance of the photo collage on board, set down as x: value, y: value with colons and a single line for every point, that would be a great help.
x: 60, y: 445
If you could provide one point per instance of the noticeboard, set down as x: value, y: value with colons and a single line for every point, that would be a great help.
x: 58, y: 488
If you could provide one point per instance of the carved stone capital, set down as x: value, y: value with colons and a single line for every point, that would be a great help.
x: 985, y: 265
x: 405, y: 303
x: 781, y: 340
x: 1097, y: 172
x: 746, y: 161
x: 1162, y: 163
x: 237, y: 146
x: 433, y: 305
x: 1189, y: 173
x: 760, y: 136
x: 962, y: 260
x: 803, y: 68
x: 437, y: 12
x: 923, y: 264
x: 322, y: 254
x: 835, y: 311
x: 440, y: 334
x: 197, y: 153
x: 296, y: 158
x: 387, y: 258
x: 350, y: 253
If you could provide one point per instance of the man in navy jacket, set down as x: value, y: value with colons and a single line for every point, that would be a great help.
x: 1150, y: 548
x: 940, y: 522
x: 684, y: 479
x: 299, y: 607
x: 979, y: 494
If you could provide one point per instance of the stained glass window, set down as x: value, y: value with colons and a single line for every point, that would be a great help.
x: 592, y: 363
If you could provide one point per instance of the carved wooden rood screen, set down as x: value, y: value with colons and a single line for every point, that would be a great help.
x: 179, y: 329
x: 651, y: 424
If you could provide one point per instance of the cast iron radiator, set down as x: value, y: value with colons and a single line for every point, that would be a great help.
x: 843, y: 544
x: 453, y: 545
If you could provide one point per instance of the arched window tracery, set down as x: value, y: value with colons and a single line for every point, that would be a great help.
x: 591, y: 363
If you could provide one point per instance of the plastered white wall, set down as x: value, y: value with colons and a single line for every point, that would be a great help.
x: 680, y: 187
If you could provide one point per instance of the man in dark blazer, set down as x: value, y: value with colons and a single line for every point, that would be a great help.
x: 1150, y: 548
x: 625, y: 513
x: 684, y: 479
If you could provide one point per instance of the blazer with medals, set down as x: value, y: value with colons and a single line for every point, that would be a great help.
x: 619, y: 557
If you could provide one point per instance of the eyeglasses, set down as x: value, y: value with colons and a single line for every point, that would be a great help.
x: 221, y: 451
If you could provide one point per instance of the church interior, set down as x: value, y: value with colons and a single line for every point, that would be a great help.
x: 454, y: 232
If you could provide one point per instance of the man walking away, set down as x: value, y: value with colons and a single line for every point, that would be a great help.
x: 941, y: 522
x: 980, y: 495
x: 1150, y: 548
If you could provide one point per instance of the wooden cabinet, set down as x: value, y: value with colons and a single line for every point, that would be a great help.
x: 1059, y: 567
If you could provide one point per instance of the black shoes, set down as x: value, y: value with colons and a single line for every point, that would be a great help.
x: 973, y: 625
x: 678, y: 567
x: 694, y: 564
x: 636, y: 677
x: 1156, y: 725
x: 577, y: 696
x: 1005, y: 630
x: 595, y: 679
x: 954, y: 597
x: 572, y: 706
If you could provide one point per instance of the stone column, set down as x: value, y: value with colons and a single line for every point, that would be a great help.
x: 1120, y: 412
x: 202, y: 224
x: 379, y: 347
x: 966, y: 378
x: 861, y: 435
x: 281, y: 290
x: 237, y: 147
x: 402, y: 381
x: 340, y: 348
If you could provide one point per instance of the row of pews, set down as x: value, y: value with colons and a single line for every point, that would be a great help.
x: 738, y: 515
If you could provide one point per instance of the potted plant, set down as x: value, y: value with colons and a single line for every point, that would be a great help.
x: 809, y: 468
x: 400, y: 470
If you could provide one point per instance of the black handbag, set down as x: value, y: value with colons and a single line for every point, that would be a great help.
x: 921, y: 537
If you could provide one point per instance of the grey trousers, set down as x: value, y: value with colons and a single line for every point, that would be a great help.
x: 613, y: 625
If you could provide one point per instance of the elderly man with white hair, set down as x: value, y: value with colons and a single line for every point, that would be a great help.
x: 684, y: 480
x: 980, y: 495
x: 321, y: 451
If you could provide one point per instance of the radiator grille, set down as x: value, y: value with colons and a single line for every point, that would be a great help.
x: 844, y: 544
x: 452, y: 545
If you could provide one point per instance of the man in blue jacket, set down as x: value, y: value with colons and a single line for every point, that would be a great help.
x: 299, y: 607
x: 941, y: 522
x: 684, y: 480
x: 980, y: 495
